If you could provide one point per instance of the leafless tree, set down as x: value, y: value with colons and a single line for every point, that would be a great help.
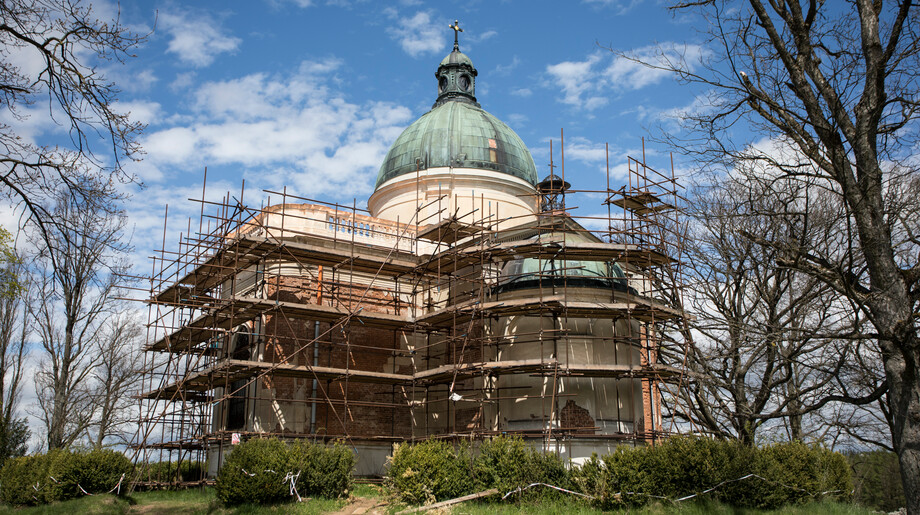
x: 70, y: 43
x: 838, y: 82
x: 14, y: 328
x: 76, y: 282
x: 115, y: 381
x: 775, y: 347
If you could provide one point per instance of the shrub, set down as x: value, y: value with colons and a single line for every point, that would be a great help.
x: 23, y: 480
x: 507, y: 463
x: 324, y: 471
x: 94, y: 472
x: 682, y: 466
x: 257, y: 471
x: 430, y: 471
x: 253, y: 473
x: 877, y: 477
x: 624, y: 478
x: 799, y: 473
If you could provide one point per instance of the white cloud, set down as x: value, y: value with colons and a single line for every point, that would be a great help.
x: 628, y: 73
x: 182, y: 81
x: 197, y: 39
x: 587, y: 84
x: 578, y: 81
x: 296, y: 122
x: 140, y: 111
x: 674, y: 117
x: 517, y: 119
x: 129, y: 79
x: 521, y: 92
x: 620, y: 7
x: 482, y: 36
x: 417, y: 35
x: 505, y: 69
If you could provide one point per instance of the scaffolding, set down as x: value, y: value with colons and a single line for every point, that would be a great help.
x: 307, y: 319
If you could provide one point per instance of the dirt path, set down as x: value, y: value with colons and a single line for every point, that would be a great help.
x: 363, y: 506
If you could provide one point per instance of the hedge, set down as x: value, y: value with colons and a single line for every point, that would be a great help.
x: 783, y: 474
x: 60, y: 475
x: 877, y: 479
x: 260, y: 471
x: 429, y: 471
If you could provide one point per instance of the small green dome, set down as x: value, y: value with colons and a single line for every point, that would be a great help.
x: 531, y: 272
x: 461, y: 135
x: 457, y: 57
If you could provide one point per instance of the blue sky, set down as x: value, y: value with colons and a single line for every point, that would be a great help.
x: 309, y: 94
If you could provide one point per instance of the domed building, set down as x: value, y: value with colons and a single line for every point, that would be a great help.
x: 465, y: 303
x: 459, y: 154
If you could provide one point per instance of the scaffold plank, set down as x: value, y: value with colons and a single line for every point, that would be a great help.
x: 236, y: 310
x: 638, y: 308
x: 246, y: 251
x: 574, y: 251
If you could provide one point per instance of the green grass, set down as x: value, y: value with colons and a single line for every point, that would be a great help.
x: 572, y: 506
x: 164, y: 502
x: 204, y: 502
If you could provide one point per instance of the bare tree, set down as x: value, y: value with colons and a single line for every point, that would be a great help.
x: 774, y: 346
x: 115, y: 381
x: 77, y: 283
x: 70, y: 42
x: 838, y: 82
x: 14, y: 430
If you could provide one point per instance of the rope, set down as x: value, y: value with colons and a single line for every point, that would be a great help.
x: 521, y: 489
x: 290, y: 479
x: 675, y: 501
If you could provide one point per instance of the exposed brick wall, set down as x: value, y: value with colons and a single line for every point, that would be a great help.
x: 576, y: 419
x: 288, y: 339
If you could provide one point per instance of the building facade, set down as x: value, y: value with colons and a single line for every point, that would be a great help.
x: 465, y: 303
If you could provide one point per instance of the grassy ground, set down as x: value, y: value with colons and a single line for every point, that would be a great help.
x: 579, y: 508
x: 170, y: 502
x: 204, y: 502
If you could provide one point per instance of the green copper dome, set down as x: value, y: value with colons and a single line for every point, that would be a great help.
x: 461, y: 135
x: 457, y: 57
x: 457, y: 132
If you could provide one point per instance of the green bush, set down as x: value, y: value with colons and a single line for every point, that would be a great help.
x: 877, y: 480
x: 59, y: 475
x: 253, y: 473
x: 94, y: 472
x: 680, y: 466
x: 324, y: 471
x: 507, y: 463
x: 259, y: 471
x: 24, y: 480
x: 616, y: 479
x: 798, y: 473
x: 428, y: 472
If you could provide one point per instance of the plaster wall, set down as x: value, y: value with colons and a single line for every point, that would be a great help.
x: 475, y: 196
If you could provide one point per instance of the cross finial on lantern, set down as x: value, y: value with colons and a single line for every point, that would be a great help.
x: 457, y: 31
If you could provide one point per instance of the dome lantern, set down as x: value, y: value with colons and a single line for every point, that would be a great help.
x: 456, y: 75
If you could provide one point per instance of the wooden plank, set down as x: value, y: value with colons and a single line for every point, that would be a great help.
x: 451, y: 502
x: 230, y: 370
x: 547, y: 367
x: 631, y: 306
x: 449, y: 231
x: 574, y: 251
x: 309, y: 250
x: 236, y: 310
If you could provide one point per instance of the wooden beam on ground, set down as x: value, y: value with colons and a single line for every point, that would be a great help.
x: 458, y: 500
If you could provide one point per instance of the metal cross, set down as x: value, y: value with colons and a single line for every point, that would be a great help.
x: 457, y: 31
